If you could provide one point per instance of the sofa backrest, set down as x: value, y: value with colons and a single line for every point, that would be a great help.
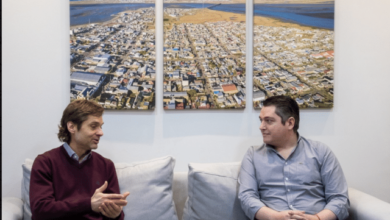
x: 180, y: 191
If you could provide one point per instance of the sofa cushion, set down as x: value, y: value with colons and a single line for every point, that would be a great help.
x: 26, y: 188
x: 150, y: 186
x: 212, y: 192
x: 149, y: 183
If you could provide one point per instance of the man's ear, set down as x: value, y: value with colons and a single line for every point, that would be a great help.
x: 290, y: 122
x: 72, y: 128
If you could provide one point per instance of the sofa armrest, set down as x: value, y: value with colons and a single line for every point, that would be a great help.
x: 12, y: 208
x: 364, y: 206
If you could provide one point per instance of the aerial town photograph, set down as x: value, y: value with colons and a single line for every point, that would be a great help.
x: 293, y: 52
x: 112, y: 53
x: 204, y: 54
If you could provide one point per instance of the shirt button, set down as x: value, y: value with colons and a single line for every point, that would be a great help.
x: 286, y: 178
x: 291, y: 206
x: 288, y: 190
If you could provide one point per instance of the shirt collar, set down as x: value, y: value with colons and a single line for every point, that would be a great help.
x: 73, y: 154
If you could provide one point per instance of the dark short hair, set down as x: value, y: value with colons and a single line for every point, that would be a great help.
x: 77, y: 112
x: 285, y: 107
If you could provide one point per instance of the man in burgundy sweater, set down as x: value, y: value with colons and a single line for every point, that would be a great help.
x: 71, y: 181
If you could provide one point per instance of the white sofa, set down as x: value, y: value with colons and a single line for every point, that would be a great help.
x: 206, y: 192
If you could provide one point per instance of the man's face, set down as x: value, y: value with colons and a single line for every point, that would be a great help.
x: 88, y: 136
x: 273, y: 131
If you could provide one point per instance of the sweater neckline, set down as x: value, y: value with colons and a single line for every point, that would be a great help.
x: 74, y: 162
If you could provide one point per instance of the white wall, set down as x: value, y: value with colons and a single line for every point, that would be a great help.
x: 36, y: 82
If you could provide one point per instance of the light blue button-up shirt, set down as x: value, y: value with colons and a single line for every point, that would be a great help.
x: 310, y: 179
x: 73, y: 154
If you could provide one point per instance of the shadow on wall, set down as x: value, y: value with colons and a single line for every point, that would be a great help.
x: 196, y: 123
x: 129, y: 126
x: 316, y: 122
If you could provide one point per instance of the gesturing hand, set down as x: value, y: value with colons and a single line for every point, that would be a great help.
x: 99, y: 198
x: 110, y: 209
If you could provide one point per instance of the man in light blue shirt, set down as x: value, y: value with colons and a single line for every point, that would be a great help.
x: 289, y: 176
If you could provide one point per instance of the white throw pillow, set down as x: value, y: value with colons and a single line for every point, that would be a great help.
x: 150, y: 186
x: 212, y: 192
x: 26, y: 188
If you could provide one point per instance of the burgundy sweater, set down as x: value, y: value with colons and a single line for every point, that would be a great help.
x: 61, y: 188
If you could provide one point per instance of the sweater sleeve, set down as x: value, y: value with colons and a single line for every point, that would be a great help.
x: 113, y: 185
x: 42, y: 198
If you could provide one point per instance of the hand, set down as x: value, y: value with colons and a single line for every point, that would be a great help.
x: 110, y: 209
x: 296, y: 214
x: 288, y: 215
x: 99, y: 198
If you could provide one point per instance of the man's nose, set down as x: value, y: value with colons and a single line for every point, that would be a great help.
x: 100, y: 132
x: 262, y: 126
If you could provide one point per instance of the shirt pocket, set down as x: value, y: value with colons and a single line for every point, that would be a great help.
x: 307, y: 172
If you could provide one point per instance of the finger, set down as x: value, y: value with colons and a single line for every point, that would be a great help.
x: 125, y: 195
x: 296, y: 212
x: 103, y: 187
x: 119, y: 202
x: 297, y: 217
x: 102, y: 209
x: 108, y: 209
x: 115, y: 207
x: 112, y: 196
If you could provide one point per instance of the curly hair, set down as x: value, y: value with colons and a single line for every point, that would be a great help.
x: 77, y: 112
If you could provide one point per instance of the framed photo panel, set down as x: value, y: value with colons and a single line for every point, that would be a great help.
x: 112, y: 53
x: 293, y: 51
x: 204, y: 54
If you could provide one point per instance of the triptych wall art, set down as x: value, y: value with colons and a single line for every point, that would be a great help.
x: 113, y: 54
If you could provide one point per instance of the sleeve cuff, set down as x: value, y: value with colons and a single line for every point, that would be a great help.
x: 340, y: 212
x: 121, y: 216
x: 254, y: 209
x: 84, y: 205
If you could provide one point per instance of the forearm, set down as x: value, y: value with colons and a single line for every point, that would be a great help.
x: 248, y: 190
x: 51, y: 209
x: 250, y: 203
x: 326, y: 214
x: 338, y: 206
x: 336, y: 189
x: 266, y: 213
